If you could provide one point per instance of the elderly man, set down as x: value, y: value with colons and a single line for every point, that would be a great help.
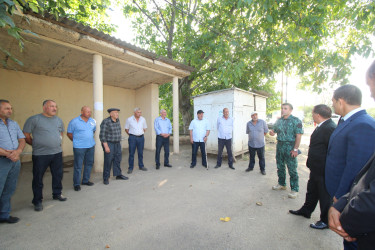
x: 110, y: 137
x: 353, y: 215
x: 12, y: 143
x: 135, y: 127
x: 289, y: 132
x: 199, y: 131
x: 256, y: 129
x: 224, y: 134
x: 163, y: 129
x: 351, y: 144
x: 81, y: 131
x: 44, y: 133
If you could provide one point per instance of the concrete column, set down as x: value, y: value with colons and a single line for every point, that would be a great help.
x: 176, y: 132
x: 98, y: 109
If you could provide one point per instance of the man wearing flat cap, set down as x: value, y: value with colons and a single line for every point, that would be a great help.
x: 110, y: 136
x: 256, y: 129
x: 199, y: 131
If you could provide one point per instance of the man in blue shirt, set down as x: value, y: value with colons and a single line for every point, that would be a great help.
x: 199, y: 130
x: 12, y: 142
x: 256, y: 129
x: 81, y: 131
x: 224, y: 134
x: 163, y: 129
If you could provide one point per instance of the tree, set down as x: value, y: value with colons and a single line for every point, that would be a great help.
x: 87, y: 12
x: 245, y: 43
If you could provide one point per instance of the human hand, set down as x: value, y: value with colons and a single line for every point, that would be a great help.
x: 335, y: 224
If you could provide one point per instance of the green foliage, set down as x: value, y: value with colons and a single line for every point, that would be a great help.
x: 371, y: 112
x: 245, y: 43
x: 307, y: 110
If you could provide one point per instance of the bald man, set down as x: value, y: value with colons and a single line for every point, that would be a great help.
x: 81, y: 132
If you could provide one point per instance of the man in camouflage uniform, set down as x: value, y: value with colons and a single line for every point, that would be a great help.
x: 289, y: 131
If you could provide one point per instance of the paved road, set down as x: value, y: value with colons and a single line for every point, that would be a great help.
x: 177, y: 208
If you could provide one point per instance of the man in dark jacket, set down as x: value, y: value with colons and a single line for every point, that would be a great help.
x: 316, y: 161
x: 353, y: 215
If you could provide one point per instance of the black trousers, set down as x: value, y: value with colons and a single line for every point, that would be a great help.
x: 316, y: 191
x: 162, y: 142
x: 228, y: 144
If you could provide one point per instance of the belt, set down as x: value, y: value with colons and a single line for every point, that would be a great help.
x: 2, y: 156
x: 136, y: 135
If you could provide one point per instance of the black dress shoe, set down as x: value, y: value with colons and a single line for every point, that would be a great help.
x: 121, y: 177
x: 217, y: 166
x: 77, y: 188
x: 319, y: 225
x: 89, y: 183
x: 106, y: 182
x: 38, y: 207
x: 10, y: 220
x: 192, y: 166
x: 157, y: 166
x: 60, y: 198
x: 263, y: 172
x: 205, y: 166
x: 249, y: 169
x: 143, y: 169
x: 231, y: 167
x: 301, y: 213
x: 130, y: 171
x: 168, y: 165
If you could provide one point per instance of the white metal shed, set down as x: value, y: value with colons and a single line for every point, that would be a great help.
x: 240, y: 104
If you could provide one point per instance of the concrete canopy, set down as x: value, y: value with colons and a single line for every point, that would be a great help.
x: 65, y: 49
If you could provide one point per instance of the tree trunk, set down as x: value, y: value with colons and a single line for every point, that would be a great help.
x: 184, y: 103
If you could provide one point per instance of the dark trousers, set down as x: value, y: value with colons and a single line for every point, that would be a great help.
x: 40, y: 165
x: 9, y: 172
x: 228, y: 145
x: 136, y: 142
x: 316, y: 191
x: 162, y: 142
x: 260, y: 152
x: 113, y: 157
x: 352, y: 245
x: 85, y: 157
x: 195, y: 147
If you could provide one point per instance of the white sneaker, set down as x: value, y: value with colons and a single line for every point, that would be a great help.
x: 279, y: 187
x: 293, y: 194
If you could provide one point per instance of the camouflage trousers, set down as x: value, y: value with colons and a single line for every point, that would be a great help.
x: 283, y: 158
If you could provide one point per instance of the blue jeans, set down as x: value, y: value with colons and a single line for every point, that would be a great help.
x: 136, y: 142
x: 113, y: 157
x: 40, y: 165
x: 83, y: 156
x: 228, y: 144
x: 260, y: 152
x: 162, y: 142
x: 9, y: 172
x: 195, y: 147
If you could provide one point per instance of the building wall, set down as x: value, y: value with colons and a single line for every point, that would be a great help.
x: 26, y: 93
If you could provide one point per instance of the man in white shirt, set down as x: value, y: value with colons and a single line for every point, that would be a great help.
x: 199, y: 130
x: 135, y: 127
x: 224, y: 134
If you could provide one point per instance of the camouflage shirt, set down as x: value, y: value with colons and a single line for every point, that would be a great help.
x: 287, y: 129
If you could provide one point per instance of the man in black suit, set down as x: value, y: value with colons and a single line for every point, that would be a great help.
x: 316, y: 161
x: 353, y: 215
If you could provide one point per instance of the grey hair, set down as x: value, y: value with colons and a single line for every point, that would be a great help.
x: 136, y: 109
x: 162, y: 110
x: 46, y: 101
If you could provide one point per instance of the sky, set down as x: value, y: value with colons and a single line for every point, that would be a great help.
x: 295, y: 96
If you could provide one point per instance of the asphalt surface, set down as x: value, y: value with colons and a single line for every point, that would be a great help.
x: 170, y: 208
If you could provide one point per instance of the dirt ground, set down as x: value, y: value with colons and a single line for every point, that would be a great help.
x: 177, y: 208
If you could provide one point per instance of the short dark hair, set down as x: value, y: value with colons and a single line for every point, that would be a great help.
x: 45, y: 101
x: 2, y: 101
x: 288, y: 104
x: 371, y: 71
x: 351, y: 94
x: 323, y: 110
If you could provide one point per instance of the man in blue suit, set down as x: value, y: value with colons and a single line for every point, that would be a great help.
x: 351, y: 144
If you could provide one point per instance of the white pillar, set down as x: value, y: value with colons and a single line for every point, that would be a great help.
x: 176, y: 132
x: 98, y: 109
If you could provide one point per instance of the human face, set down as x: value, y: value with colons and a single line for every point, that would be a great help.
x: 114, y: 115
x: 337, y: 106
x: 86, y: 112
x: 163, y: 114
x: 315, y: 117
x: 200, y: 116
x: 138, y: 113
x: 5, y: 110
x: 254, y: 117
x: 286, y: 110
x: 371, y: 84
x: 226, y: 113
x: 50, y: 109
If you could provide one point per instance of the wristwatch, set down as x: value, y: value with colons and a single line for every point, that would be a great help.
x: 295, y: 150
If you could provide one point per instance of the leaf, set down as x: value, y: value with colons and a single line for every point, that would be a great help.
x: 269, y: 18
x: 5, y: 18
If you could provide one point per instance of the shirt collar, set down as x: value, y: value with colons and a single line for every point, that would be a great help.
x: 348, y: 115
x: 320, y: 124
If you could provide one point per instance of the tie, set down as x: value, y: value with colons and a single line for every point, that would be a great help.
x: 340, y: 121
